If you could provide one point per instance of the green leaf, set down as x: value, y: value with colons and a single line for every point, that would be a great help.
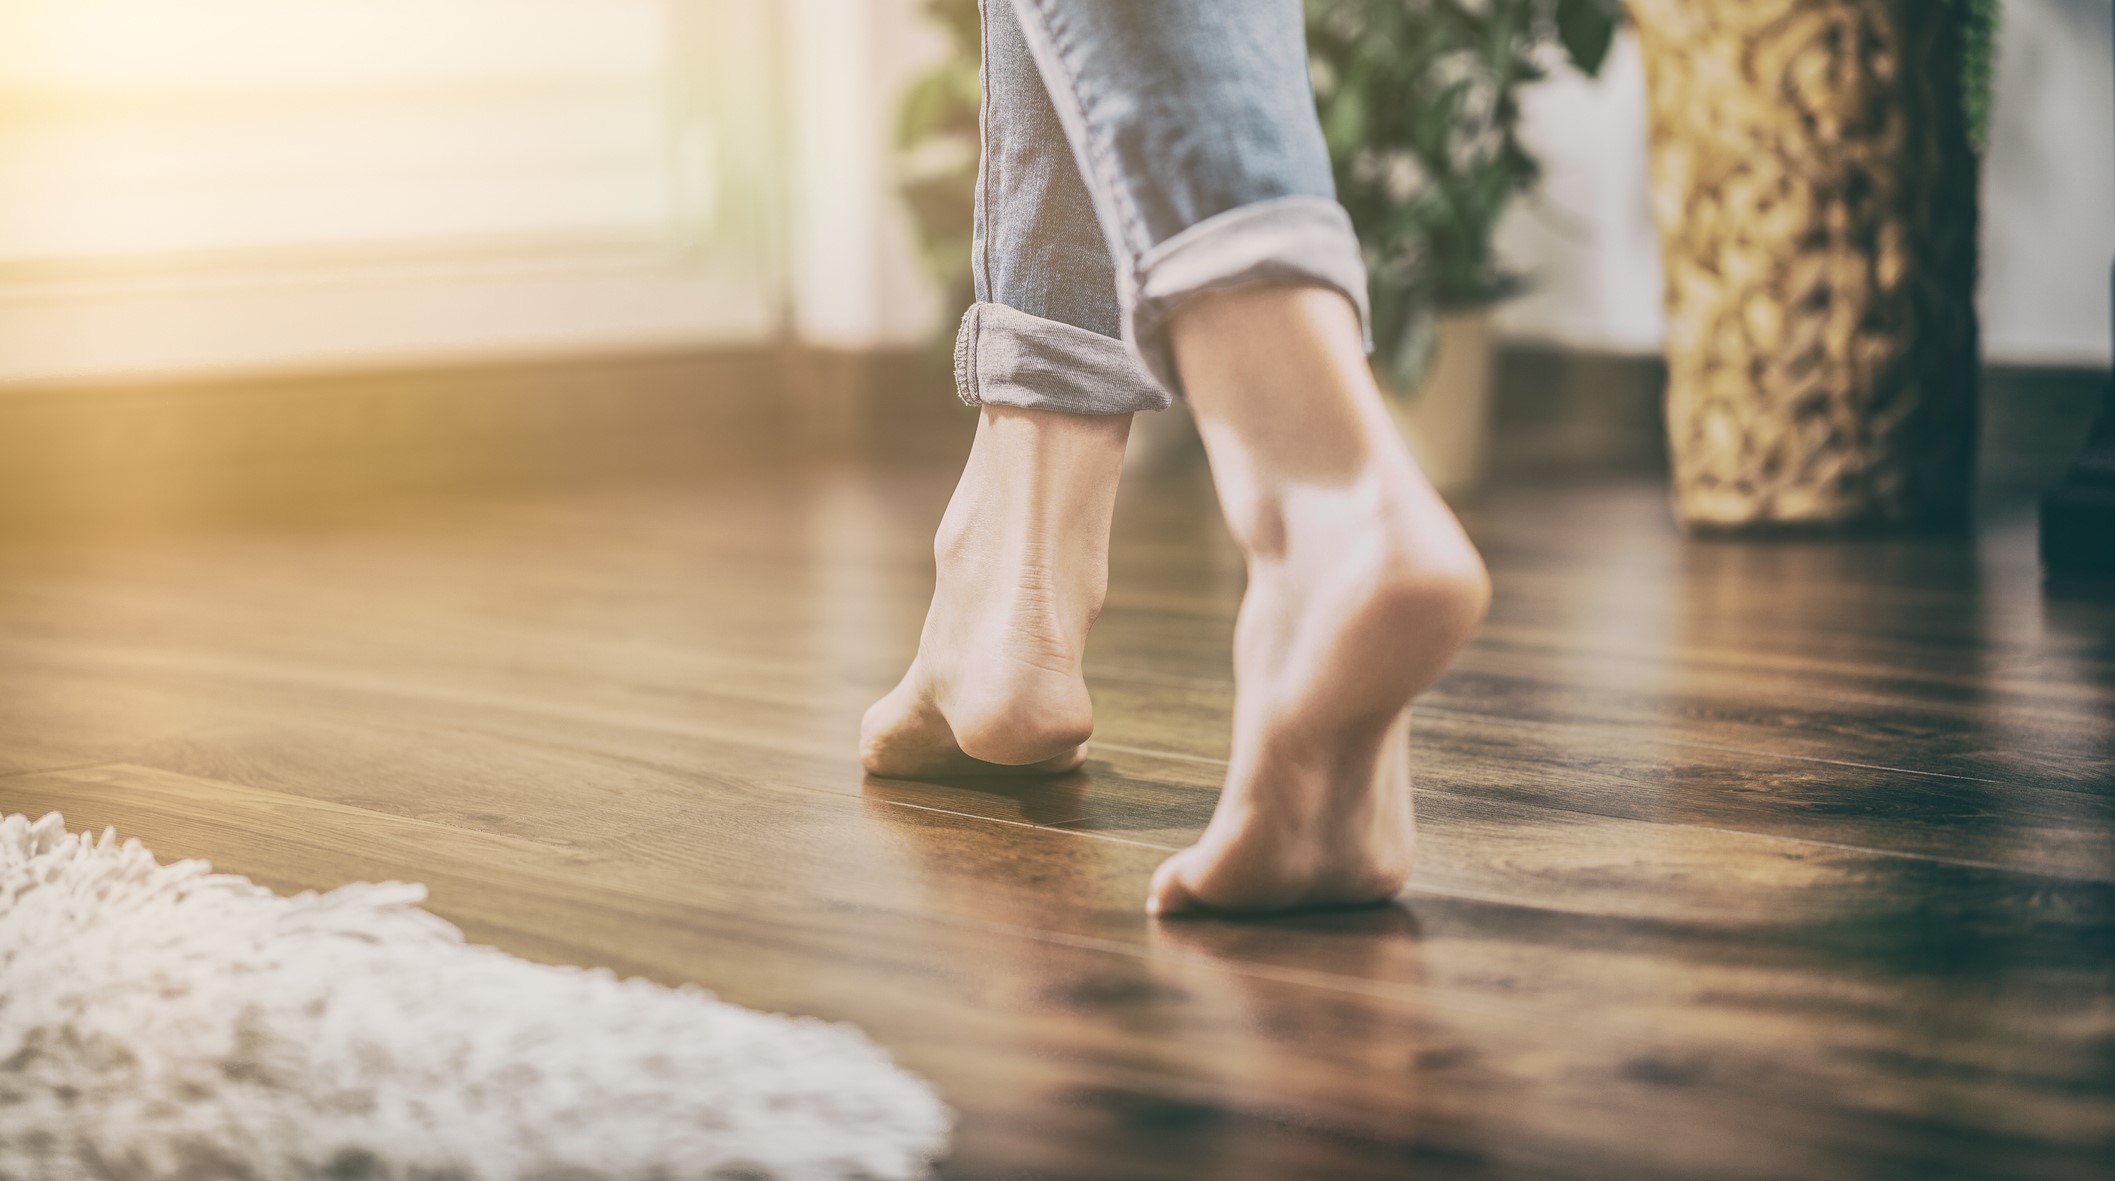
x: 1587, y: 28
x: 1344, y: 121
x: 1978, y: 65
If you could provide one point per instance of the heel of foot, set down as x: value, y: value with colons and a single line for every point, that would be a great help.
x: 904, y: 737
x: 1017, y: 741
x: 1445, y: 600
x: 1030, y: 715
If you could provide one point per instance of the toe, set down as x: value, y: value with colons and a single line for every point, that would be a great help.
x: 903, y: 735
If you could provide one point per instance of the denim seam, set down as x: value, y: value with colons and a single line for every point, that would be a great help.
x: 980, y: 261
x: 965, y: 358
x: 1068, y: 94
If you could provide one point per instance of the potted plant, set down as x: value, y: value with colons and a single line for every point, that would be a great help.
x: 1418, y: 102
x: 1814, y: 182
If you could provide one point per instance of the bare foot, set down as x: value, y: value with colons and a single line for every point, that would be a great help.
x: 1022, y: 561
x: 1362, y: 589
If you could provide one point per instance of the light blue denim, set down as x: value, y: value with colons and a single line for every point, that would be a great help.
x: 1137, y: 153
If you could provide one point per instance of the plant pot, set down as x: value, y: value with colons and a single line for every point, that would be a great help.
x: 1163, y: 441
x: 1815, y: 194
x: 1447, y: 420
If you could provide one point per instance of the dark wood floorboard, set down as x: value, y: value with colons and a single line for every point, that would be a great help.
x: 1792, y: 859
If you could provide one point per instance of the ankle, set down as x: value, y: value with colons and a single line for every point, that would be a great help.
x: 1279, y: 375
x: 1042, y: 458
x: 1035, y: 479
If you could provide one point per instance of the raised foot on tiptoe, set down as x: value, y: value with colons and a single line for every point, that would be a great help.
x: 1338, y: 632
x: 1315, y: 833
x: 1021, y: 566
x: 1034, y: 729
x: 996, y: 689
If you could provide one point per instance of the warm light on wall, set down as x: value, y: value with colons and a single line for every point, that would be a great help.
x: 240, y: 183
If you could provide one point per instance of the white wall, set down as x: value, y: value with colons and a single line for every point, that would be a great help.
x: 1584, y: 238
x: 2048, y: 204
x: 240, y: 184
x: 854, y: 272
x: 2049, y: 186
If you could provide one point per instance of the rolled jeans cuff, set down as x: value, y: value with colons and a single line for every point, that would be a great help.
x: 1305, y: 241
x: 1007, y: 357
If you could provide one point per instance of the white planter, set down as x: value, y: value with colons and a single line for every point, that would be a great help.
x: 1447, y: 421
x: 1162, y: 441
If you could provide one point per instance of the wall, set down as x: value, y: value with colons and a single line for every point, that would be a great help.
x: 855, y: 279
x: 223, y: 185
x: 2049, y: 186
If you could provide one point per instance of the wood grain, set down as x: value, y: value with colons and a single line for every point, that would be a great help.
x: 1790, y: 860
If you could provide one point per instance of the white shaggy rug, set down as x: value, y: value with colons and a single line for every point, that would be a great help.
x: 164, y: 1021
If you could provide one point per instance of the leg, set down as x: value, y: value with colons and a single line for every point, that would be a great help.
x: 1022, y: 553
x: 1241, y: 282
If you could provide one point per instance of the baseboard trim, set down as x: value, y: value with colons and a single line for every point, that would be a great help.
x: 2078, y: 513
x: 156, y: 451
x: 147, y: 452
x: 1568, y: 412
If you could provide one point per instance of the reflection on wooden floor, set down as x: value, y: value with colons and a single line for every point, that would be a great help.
x: 1785, y: 860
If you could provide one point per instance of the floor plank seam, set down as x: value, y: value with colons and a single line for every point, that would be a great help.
x: 71, y: 767
x: 1097, y: 836
x: 1901, y: 854
x: 1531, y: 724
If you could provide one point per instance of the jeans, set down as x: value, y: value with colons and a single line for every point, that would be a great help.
x: 1137, y: 153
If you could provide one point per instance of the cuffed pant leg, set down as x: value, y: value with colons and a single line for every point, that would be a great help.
x: 1044, y: 333
x: 1006, y: 357
x: 1192, y: 125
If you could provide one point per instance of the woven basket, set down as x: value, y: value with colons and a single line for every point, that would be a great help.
x: 1815, y: 194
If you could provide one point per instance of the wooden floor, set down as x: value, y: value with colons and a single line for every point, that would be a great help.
x: 1738, y: 860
